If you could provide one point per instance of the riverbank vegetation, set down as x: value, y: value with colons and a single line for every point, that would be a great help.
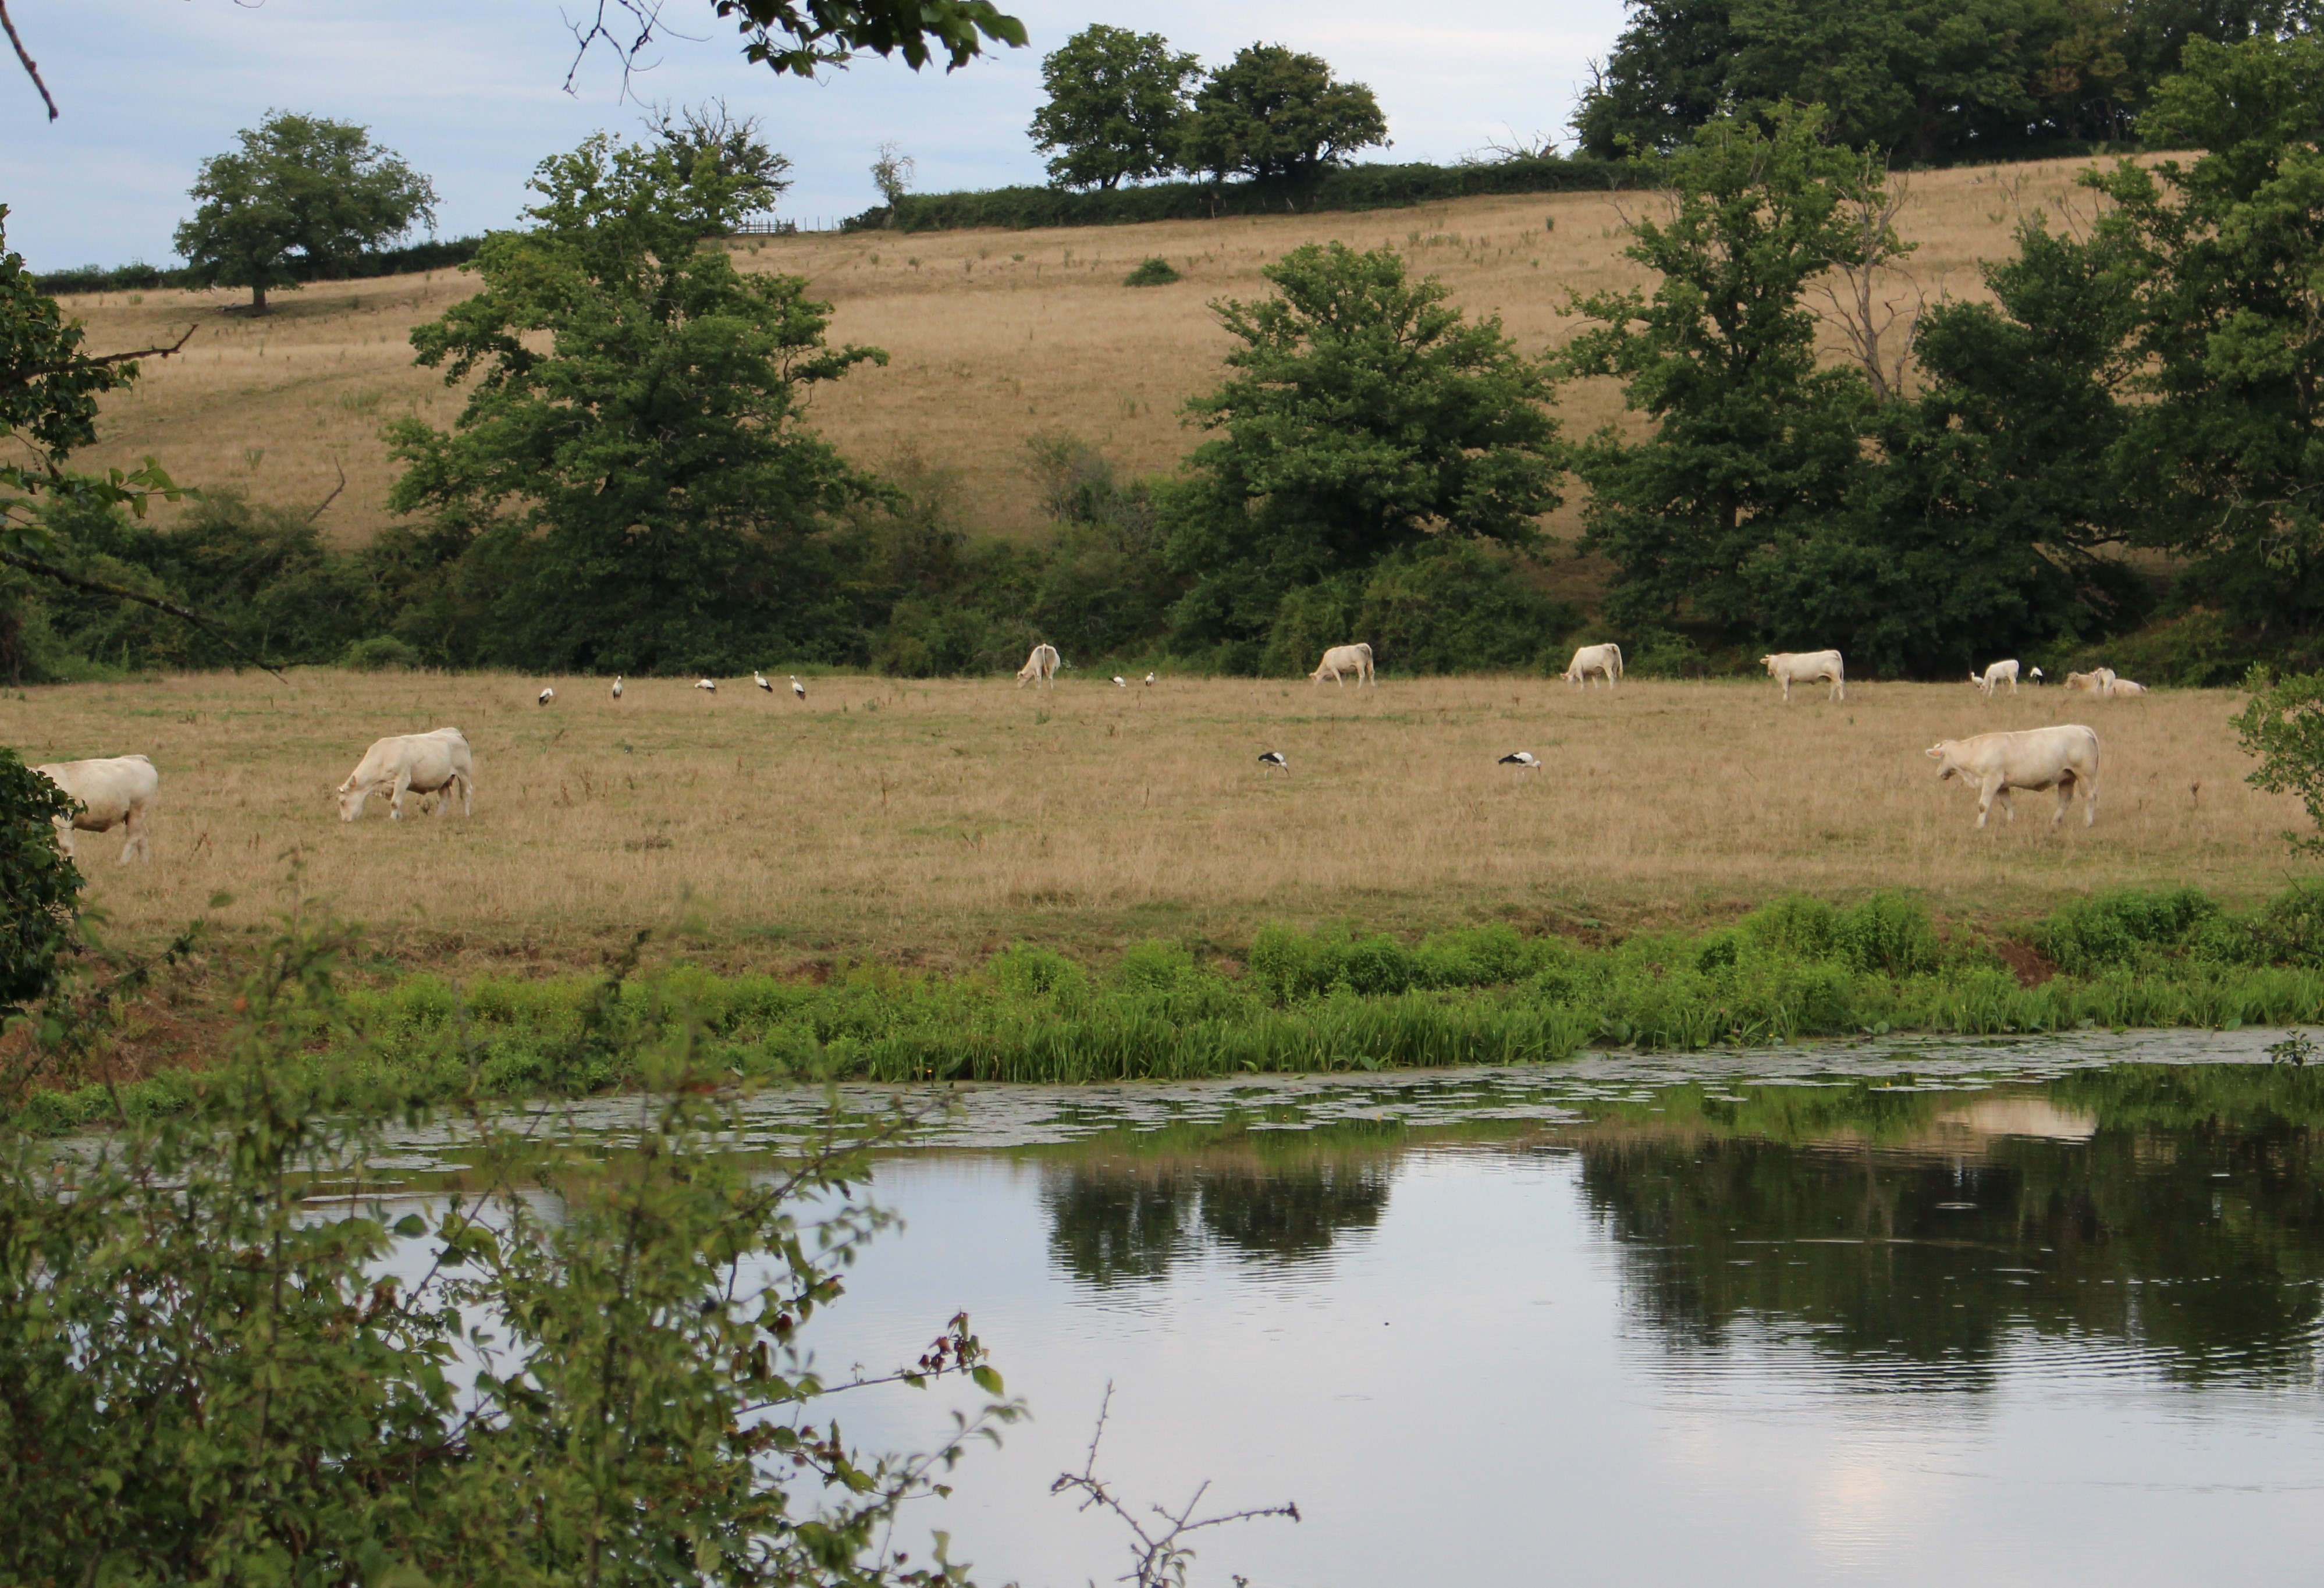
x: 1299, y: 1001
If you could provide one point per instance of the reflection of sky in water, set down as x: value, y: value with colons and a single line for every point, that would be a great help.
x: 1569, y: 1332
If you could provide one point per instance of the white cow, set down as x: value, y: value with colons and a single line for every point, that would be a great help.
x: 2121, y: 688
x: 424, y: 763
x: 1356, y: 658
x: 2000, y: 673
x: 1042, y: 664
x: 1604, y: 659
x: 2057, y: 758
x: 1807, y: 666
x: 118, y: 792
x: 2096, y: 683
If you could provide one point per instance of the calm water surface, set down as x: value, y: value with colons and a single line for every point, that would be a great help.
x: 2021, y: 1315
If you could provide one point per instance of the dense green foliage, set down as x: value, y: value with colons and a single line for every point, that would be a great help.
x: 40, y: 889
x: 1115, y: 102
x: 1334, y: 999
x: 302, y: 188
x: 2282, y: 726
x: 641, y: 486
x: 577, y: 1366
x: 435, y: 254
x: 1364, y: 417
x: 1923, y: 80
x: 1349, y: 188
x: 1278, y: 114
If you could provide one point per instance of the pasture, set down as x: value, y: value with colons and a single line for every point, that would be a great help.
x: 995, y: 337
x: 934, y: 822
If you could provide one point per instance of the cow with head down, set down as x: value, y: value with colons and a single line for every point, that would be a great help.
x: 436, y: 763
x: 116, y: 791
x: 2063, y: 758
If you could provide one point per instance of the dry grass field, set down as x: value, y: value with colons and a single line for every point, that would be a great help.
x: 932, y: 822
x: 994, y: 335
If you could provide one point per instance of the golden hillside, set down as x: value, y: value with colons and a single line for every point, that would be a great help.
x: 994, y: 335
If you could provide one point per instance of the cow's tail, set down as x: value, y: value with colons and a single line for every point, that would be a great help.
x: 1616, y: 649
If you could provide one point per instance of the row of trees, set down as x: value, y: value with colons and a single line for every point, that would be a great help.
x: 630, y: 487
x: 1124, y: 106
x: 1920, y: 80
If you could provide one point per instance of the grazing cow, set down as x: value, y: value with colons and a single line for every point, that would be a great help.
x: 1807, y: 666
x: 2096, y: 683
x: 118, y: 792
x: 2117, y: 688
x: 1043, y: 664
x: 1356, y: 658
x: 2000, y: 673
x: 425, y: 763
x: 1604, y: 659
x: 2060, y: 758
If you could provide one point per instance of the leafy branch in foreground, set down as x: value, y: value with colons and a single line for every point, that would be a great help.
x: 1159, y: 1557
x: 2283, y: 727
x: 240, y: 1348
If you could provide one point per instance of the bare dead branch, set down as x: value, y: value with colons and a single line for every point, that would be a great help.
x: 81, y: 362
x: 333, y: 496
x: 31, y: 70
x: 33, y: 565
x: 1858, y: 310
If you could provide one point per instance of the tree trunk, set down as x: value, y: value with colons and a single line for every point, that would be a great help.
x: 258, y: 299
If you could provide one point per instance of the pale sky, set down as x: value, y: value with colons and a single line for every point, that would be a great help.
x: 472, y: 92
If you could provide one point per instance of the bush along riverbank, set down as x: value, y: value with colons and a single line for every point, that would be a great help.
x: 1325, y: 1001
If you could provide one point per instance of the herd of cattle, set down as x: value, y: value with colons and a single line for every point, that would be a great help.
x: 121, y: 791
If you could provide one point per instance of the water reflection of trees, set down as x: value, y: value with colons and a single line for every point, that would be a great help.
x: 1116, y: 1219
x: 2203, y: 1242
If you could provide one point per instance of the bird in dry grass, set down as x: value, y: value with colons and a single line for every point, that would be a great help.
x: 544, y: 697
x: 709, y: 684
x: 617, y: 686
x: 760, y: 678
x: 1524, y: 761
x: 1150, y: 680
x: 1274, y: 758
x: 798, y: 691
x: 1119, y: 682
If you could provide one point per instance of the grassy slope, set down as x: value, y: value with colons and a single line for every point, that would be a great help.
x: 995, y: 335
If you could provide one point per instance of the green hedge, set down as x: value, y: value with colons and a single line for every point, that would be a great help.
x: 1354, y: 187
x: 141, y: 277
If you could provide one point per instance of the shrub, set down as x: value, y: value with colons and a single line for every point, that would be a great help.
x: 40, y: 889
x: 379, y: 654
x: 2121, y: 928
x: 1151, y: 271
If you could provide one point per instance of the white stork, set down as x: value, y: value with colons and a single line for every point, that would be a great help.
x: 617, y: 686
x: 1150, y: 680
x: 709, y: 684
x: 1274, y: 758
x: 1524, y: 761
x: 798, y: 691
x: 760, y: 678
x: 544, y: 697
x: 1119, y: 682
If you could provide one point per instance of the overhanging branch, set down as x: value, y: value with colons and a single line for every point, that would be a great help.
x: 31, y: 70
x: 33, y: 565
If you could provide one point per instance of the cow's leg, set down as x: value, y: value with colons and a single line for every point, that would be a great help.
x: 395, y: 799
x: 1988, y: 791
x: 467, y: 795
x: 1839, y: 689
x: 133, y: 830
x: 444, y: 792
x: 2089, y: 800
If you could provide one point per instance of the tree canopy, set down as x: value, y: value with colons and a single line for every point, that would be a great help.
x: 1274, y: 113
x: 631, y: 459
x: 1364, y: 416
x: 302, y: 188
x: 1923, y: 80
x: 1115, y: 102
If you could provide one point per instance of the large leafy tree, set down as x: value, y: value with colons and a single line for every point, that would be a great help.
x: 1364, y: 416
x: 2226, y: 454
x: 1116, y: 98
x: 632, y: 460
x: 302, y: 197
x: 1752, y: 444
x: 1274, y: 113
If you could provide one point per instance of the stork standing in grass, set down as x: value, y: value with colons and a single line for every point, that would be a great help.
x: 544, y: 697
x: 798, y: 691
x: 760, y: 678
x: 1274, y: 758
x: 709, y: 685
x: 1150, y: 680
x: 617, y: 686
x: 1119, y: 682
